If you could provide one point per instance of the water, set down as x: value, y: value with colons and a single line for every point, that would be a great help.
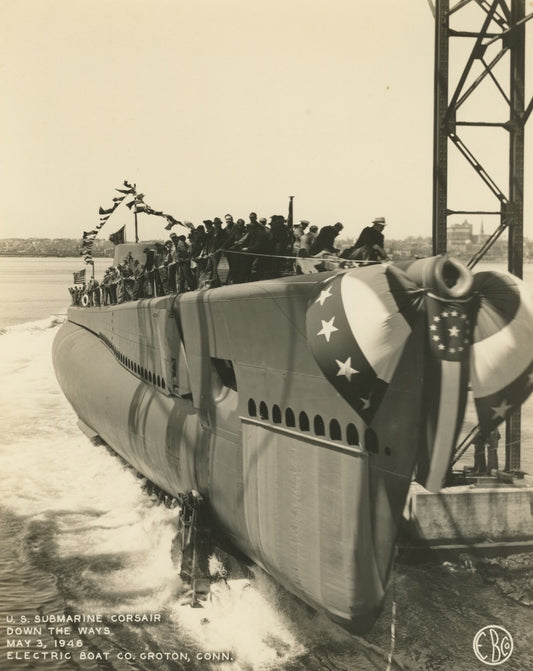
x: 80, y: 536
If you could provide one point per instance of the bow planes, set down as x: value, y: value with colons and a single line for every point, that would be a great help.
x: 299, y: 409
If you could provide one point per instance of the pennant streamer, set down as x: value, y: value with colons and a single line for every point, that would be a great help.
x: 137, y: 204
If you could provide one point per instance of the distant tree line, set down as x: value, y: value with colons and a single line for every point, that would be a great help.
x: 397, y: 249
x: 51, y: 247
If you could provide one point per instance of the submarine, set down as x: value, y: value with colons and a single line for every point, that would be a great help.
x: 300, y: 408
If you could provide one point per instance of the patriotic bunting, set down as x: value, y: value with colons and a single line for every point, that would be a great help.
x: 449, y: 331
x: 357, y: 326
x: 502, y: 354
x: 359, y: 323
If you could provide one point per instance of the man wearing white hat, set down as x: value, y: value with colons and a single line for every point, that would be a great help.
x: 370, y: 245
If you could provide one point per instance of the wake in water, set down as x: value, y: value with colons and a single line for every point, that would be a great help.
x: 81, y: 537
x: 97, y: 543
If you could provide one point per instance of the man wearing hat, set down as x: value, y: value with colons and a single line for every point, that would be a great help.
x: 325, y: 239
x: 307, y: 240
x: 370, y: 245
x: 297, y: 233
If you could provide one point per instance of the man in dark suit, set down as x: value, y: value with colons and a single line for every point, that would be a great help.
x: 325, y: 239
x: 370, y: 245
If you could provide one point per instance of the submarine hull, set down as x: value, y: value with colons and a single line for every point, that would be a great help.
x: 277, y: 454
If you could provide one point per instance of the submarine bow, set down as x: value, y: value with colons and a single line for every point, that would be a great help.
x: 472, y: 328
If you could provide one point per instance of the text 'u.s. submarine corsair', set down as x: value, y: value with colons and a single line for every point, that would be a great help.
x: 299, y: 407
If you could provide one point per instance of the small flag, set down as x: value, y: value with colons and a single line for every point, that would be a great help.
x: 88, y: 234
x: 79, y: 277
x: 102, y: 211
x: 118, y: 237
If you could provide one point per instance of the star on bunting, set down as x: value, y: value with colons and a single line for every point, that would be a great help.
x: 501, y: 410
x: 326, y: 293
x: 345, y: 368
x: 327, y: 328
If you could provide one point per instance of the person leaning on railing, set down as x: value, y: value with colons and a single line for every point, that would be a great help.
x: 235, y: 233
x: 185, y: 280
x: 370, y: 245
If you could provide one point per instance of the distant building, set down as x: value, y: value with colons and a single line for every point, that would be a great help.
x: 460, y: 237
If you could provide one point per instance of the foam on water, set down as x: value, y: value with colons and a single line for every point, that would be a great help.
x: 104, y: 543
x: 79, y: 534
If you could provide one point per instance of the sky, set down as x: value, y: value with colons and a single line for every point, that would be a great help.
x: 217, y: 106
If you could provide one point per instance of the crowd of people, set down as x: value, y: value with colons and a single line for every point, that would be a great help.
x: 229, y: 252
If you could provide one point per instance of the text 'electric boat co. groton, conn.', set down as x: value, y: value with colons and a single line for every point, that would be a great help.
x: 299, y: 407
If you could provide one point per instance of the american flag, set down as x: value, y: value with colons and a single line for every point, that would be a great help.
x: 79, y: 277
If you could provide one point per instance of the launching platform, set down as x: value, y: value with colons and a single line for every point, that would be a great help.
x: 489, y: 515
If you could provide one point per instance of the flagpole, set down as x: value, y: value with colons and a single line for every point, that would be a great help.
x: 135, y: 214
x: 290, y: 217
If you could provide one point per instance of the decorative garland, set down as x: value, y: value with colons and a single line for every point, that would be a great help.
x: 137, y: 204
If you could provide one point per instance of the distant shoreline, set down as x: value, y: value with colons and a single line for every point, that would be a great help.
x: 52, y: 256
x: 460, y: 257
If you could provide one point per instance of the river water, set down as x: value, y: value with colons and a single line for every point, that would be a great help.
x: 81, y: 537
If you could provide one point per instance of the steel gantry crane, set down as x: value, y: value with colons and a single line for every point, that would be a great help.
x: 481, y: 37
